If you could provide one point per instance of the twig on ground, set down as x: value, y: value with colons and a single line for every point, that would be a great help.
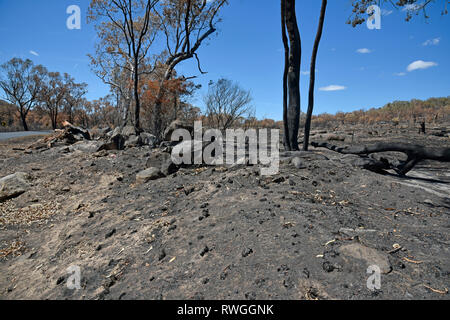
x: 445, y: 291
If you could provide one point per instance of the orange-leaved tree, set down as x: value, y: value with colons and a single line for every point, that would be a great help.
x: 186, y: 25
x: 126, y: 29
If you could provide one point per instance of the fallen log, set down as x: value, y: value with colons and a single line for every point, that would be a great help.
x: 415, y: 154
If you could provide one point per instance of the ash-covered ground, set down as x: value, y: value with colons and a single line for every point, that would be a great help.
x: 309, y: 232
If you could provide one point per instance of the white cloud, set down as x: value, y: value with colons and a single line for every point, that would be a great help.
x: 385, y: 12
x: 420, y: 64
x: 432, y: 42
x: 400, y: 74
x: 34, y: 53
x: 333, y: 87
x: 364, y: 50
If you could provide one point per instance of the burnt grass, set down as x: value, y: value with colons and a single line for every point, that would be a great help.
x: 224, y: 233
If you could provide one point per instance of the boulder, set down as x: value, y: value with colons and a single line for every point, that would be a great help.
x: 116, y: 141
x: 148, y: 139
x: 168, y: 167
x: 86, y: 146
x: 177, y: 124
x: 148, y: 175
x: 103, y: 132
x: 132, y: 141
x: 128, y: 131
x: 114, y: 132
x: 14, y: 185
x: 157, y: 159
x: 78, y: 132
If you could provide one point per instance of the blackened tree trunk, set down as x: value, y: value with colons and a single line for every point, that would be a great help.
x: 293, y: 75
x: 287, y: 145
x: 157, y: 116
x: 312, y: 76
x: 137, y: 102
x: 23, y: 117
x: 423, y: 128
x: 54, y: 118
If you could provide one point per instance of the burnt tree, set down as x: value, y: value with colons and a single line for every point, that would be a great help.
x: 291, y: 77
x: 312, y: 75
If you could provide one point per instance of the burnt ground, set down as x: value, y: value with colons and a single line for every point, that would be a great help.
x: 223, y: 233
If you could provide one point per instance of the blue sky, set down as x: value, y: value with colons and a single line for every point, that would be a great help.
x: 248, y: 49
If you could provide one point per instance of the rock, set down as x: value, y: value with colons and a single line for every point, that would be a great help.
x: 60, y: 280
x: 369, y: 255
x: 116, y: 141
x: 148, y: 139
x: 100, y: 154
x: 188, y: 190
x: 177, y: 124
x: 78, y: 132
x: 157, y: 159
x: 168, y: 167
x: 166, y: 145
x: 148, y: 175
x: 110, y: 233
x: 14, y: 185
x: 205, y: 213
x: 204, y: 251
x: 204, y: 205
x: 328, y: 266
x: 298, y: 163
x: 114, y: 132
x: 128, y: 131
x: 103, y: 132
x: 246, y: 252
x: 132, y: 141
x: 279, y: 180
x: 87, y: 146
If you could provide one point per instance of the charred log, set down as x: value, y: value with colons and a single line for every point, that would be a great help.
x: 415, y: 154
